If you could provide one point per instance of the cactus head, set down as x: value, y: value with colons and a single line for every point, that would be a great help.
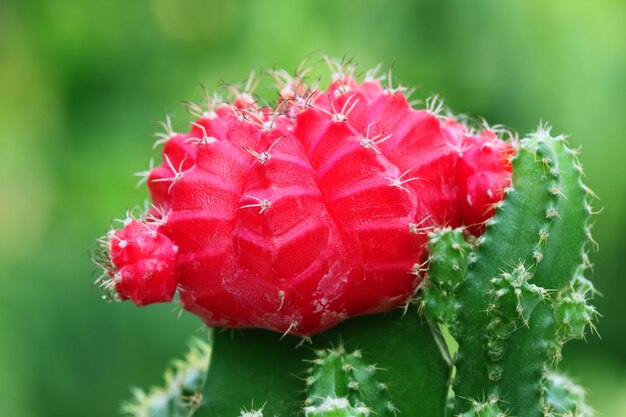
x: 296, y: 217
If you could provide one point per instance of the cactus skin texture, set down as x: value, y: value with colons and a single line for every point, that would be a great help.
x: 297, y: 217
x: 348, y: 203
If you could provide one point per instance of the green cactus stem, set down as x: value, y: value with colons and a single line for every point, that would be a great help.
x: 524, y: 293
x: 256, y: 365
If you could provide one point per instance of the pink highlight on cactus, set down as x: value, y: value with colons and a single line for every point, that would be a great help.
x: 297, y: 218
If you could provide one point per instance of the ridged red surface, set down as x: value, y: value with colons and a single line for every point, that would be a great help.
x: 330, y: 222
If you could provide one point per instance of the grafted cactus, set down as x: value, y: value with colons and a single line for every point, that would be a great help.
x: 360, y: 229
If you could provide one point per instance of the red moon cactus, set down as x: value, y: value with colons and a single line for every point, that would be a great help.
x: 297, y: 217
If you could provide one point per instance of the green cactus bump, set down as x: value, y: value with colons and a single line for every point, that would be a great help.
x: 341, y: 378
x: 181, y: 395
x: 563, y: 398
x: 450, y: 256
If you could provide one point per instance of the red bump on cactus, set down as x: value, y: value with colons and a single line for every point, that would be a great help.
x: 483, y: 171
x: 298, y: 217
x: 145, y: 263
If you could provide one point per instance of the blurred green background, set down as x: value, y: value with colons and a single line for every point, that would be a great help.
x: 81, y: 81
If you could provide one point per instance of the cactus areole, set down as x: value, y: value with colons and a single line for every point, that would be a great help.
x: 296, y: 217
